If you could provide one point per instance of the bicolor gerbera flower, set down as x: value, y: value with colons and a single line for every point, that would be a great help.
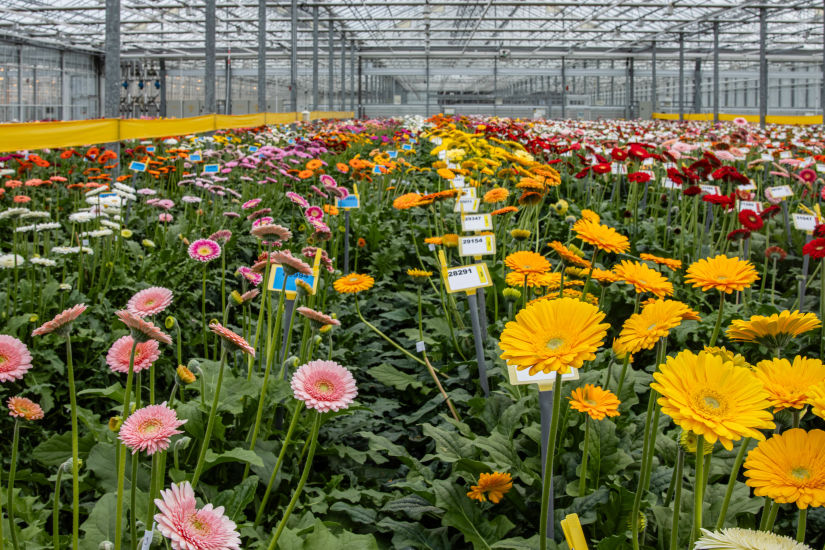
x: 61, y: 322
x: 190, y: 528
x: 119, y: 354
x: 204, y: 250
x: 280, y: 231
x: 229, y: 338
x: 150, y: 428
x: 221, y: 236
x: 15, y: 359
x: 149, y: 301
x: 22, y: 407
x: 297, y: 199
x: 314, y: 213
x: 324, y: 386
x: 318, y: 318
x: 248, y: 205
x: 142, y: 330
x: 290, y: 263
x: 251, y: 276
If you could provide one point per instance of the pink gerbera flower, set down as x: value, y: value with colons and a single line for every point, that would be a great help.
x: 119, y: 354
x: 149, y: 301
x: 248, y: 205
x: 204, y: 250
x: 22, y: 407
x: 62, y: 320
x: 234, y: 341
x: 266, y: 220
x: 290, y: 263
x: 15, y: 359
x: 251, y: 276
x: 141, y: 329
x: 164, y: 217
x: 279, y: 231
x: 314, y: 213
x: 221, y: 236
x: 327, y: 180
x: 149, y: 429
x: 297, y: 199
x: 324, y: 386
x: 188, y: 528
x: 259, y: 213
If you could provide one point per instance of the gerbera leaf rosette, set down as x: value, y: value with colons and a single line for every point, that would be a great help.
x: 553, y: 336
x: 713, y: 398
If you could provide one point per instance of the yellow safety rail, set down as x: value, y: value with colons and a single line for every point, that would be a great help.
x: 753, y: 119
x: 39, y: 135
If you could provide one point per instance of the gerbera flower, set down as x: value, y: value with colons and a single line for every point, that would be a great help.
x: 297, y: 199
x: 594, y: 401
x: 713, y: 398
x: 568, y: 255
x: 22, y: 407
x: 553, y: 335
x: 642, y: 330
x: 221, y: 236
x: 290, y: 263
x: 149, y: 429
x: 419, y: 275
x: 775, y: 253
x: 721, y: 273
x: 204, y: 250
x: 727, y: 355
x: 317, y: 318
x: 119, y: 354
x: 62, y: 321
x: 643, y: 278
x: 354, y: 282
x: 233, y: 341
x: 788, y: 384
x: 149, y: 301
x: 142, y: 330
x: 280, y: 231
x: 774, y: 331
x: 601, y: 236
x: 406, y: 201
x: 15, y: 359
x: 789, y: 468
x: 250, y: 204
x: 251, y: 276
x: 324, y: 386
x: 496, y: 195
x: 815, y: 249
x: 750, y: 220
x: 188, y: 528
x: 505, y: 210
x: 524, y: 262
x: 493, y: 486
x: 736, y: 538
x: 675, y: 265
x: 520, y: 234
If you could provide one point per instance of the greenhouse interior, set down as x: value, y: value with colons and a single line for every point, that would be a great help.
x: 412, y: 274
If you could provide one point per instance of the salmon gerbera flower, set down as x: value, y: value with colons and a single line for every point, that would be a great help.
x: 150, y: 428
x: 324, y: 386
x: 190, y: 528
x: 15, y: 359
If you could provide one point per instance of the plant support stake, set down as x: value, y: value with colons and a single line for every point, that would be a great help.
x: 479, y: 343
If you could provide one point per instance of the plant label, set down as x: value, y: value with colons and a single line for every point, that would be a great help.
x: 137, y: 166
x: 710, y: 189
x: 211, y: 169
x: 767, y: 156
x: 543, y: 379
x: 393, y: 154
x: 477, y: 245
x: 420, y: 347
x: 468, y: 192
x: 466, y: 204
x: 804, y: 222
x: 195, y: 157
x: 458, y: 182
x: 780, y: 191
x: 750, y: 205
x: 349, y: 202
x: 468, y: 277
x: 476, y: 222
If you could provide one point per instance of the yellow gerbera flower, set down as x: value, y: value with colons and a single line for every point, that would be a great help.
x: 496, y: 485
x: 354, y: 282
x: 721, y: 273
x: 553, y: 335
x: 495, y: 195
x: 450, y: 240
x: 601, y: 236
x: 643, y: 278
x: 787, y: 384
x: 774, y: 331
x: 816, y: 399
x: 419, y: 273
x: 514, y: 278
x: 713, y: 398
x: 642, y: 330
x: 568, y: 255
x: 727, y: 355
x: 594, y: 401
x: 406, y: 201
x: 591, y: 216
x: 525, y: 261
x: 789, y: 468
x: 675, y: 265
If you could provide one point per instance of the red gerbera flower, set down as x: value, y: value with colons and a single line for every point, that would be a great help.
x: 815, y: 249
x: 601, y: 168
x: 638, y: 177
x: 692, y: 190
x: 750, y: 220
x: 738, y: 234
x: 770, y: 212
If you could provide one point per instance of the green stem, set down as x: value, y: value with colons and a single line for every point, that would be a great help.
x: 698, y: 494
x: 800, y: 526
x: 583, y: 476
x: 203, y: 315
x: 734, y: 472
x: 211, y: 423
x: 56, y: 509
x: 772, y: 517
x: 10, y: 492
x: 548, y: 463
x: 75, y: 444
x: 384, y: 336
x: 677, y: 501
x: 121, y: 459
x: 637, y: 500
x: 718, y: 326
x: 279, y: 462
x: 622, y: 376
x: 307, y: 467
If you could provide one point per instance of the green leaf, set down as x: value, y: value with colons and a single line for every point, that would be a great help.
x: 412, y: 505
x: 359, y: 514
x: 235, y: 500
x: 115, y: 392
x: 405, y: 534
x: 235, y: 455
x: 465, y: 515
x: 518, y: 543
x: 390, y: 376
x: 58, y: 449
x: 101, y: 523
x: 449, y: 446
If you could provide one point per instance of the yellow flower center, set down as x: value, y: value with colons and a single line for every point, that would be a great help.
x: 801, y: 473
x: 150, y: 426
x: 324, y: 387
x: 722, y: 277
x: 554, y: 343
x: 590, y: 402
x: 711, y: 403
x: 199, y: 526
x: 353, y: 279
x: 150, y: 302
x: 204, y: 251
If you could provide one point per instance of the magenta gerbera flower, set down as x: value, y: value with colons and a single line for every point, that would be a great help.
x: 251, y: 204
x: 149, y: 429
x: 327, y: 180
x: 149, y: 301
x: 204, y: 250
x: 15, y: 359
x: 314, y: 213
x: 297, y: 199
x: 188, y: 528
x: 146, y: 353
x: 62, y: 320
x: 324, y: 386
x: 251, y: 276
x: 262, y: 221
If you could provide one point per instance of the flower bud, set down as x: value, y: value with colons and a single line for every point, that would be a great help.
x: 185, y: 375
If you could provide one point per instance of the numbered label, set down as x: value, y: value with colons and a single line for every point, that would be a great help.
x: 476, y: 222
x: 468, y: 277
x: 211, y: 169
x: 137, y: 166
x: 804, y: 222
x: 780, y: 191
x: 543, y: 379
x: 466, y: 204
x: 477, y: 245
x: 710, y: 189
x: 458, y: 182
x: 750, y: 205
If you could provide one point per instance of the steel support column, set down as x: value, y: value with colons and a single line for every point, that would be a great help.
x: 654, y: 96
x: 427, y: 90
x: 697, y: 85
x: 681, y: 83
x: 163, y: 106
x: 495, y: 84
x: 111, y: 71
x: 360, y: 112
x: 331, y: 68
x: 716, y: 71
x: 343, y: 72
x: 315, y: 57
x: 262, y: 107
x: 352, y: 75
x: 209, y: 77
x: 763, y: 66
x: 631, y: 82
x: 563, y: 90
x: 20, y: 78
x: 293, y: 58
x: 228, y: 96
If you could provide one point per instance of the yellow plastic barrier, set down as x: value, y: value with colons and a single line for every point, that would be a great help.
x: 40, y: 135
x: 753, y: 119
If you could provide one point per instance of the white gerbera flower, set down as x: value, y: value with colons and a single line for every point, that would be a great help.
x: 81, y: 217
x: 111, y: 225
x: 12, y: 213
x: 25, y: 228
x: 34, y: 215
x: 43, y: 261
x: 745, y: 539
x: 8, y: 260
x: 48, y: 226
